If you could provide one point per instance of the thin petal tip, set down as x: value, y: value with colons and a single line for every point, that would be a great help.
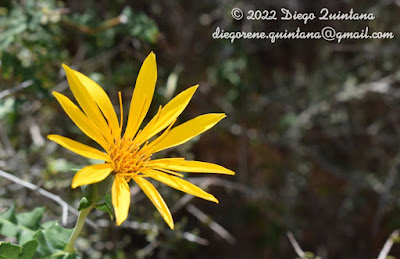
x: 65, y: 67
x: 213, y: 199
x: 229, y: 172
x: 74, y: 183
x: 54, y: 93
x: 152, y: 56
x: 171, y: 224
x: 220, y: 116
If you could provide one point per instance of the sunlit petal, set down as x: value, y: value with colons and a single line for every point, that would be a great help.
x: 87, y: 103
x: 91, y: 174
x: 79, y: 148
x: 142, y: 95
x: 167, y: 115
x: 156, y: 199
x: 180, y: 184
x: 189, y: 166
x: 121, y: 199
x: 81, y: 120
x: 102, y: 100
x: 188, y: 130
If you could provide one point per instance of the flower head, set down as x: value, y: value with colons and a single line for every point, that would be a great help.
x: 128, y: 154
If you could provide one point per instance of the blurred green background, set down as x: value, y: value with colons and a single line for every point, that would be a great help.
x: 312, y: 128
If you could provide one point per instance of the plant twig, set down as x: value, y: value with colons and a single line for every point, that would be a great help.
x: 227, y: 184
x: 388, y: 244
x: 65, y: 206
x: 206, y: 181
x: 195, y: 239
x: 217, y: 228
x: 384, y: 195
x: 148, y: 226
x: 121, y: 19
x: 295, y: 245
x: 147, y: 250
x: 188, y: 197
x: 15, y: 88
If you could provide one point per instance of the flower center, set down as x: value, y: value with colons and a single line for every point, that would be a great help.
x: 128, y: 157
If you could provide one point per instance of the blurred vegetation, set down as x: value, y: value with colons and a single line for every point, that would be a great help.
x: 312, y: 127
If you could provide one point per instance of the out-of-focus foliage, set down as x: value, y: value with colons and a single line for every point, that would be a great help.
x: 31, y: 40
x: 35, y: 240
x: 312, y: 127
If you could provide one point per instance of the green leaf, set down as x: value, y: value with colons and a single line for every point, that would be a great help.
x: 29, y: 249
x: 47, y: 240
x: 52, y: 239
x: 55, y: 235
x: 106, y: 206
x: 44, y: 248
x: 84, y: 203
x: 31, y: 219
x: 9, y: 251
x: 396, y: 239
x: 8, y: 222
x: 96, y: 192
x: 64, y: 255
x: 22, y: 226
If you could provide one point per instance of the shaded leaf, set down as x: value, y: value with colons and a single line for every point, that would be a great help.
x: 9, y: 251
x: 29, y: 249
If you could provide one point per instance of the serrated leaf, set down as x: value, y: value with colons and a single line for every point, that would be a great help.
x: 9, y: 251
x: 56, y: 235
x: 9, y: 226
x: 52, y: 239
x: 29, y: 220
x: 9, y: 214
x: 64, y: 255
x: 44, y: 247
x: 29, y: 249
x: 8, y: 221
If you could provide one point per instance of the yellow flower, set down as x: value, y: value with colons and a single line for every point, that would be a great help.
x: 128, y: 155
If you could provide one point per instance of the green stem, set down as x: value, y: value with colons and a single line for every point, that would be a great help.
x: 69, y: 248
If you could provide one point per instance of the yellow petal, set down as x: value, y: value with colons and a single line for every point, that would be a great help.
x: 79, y: 148
x: 102, y: 100
x: 189, y: 166
x: 81, y: 120
x: 91, y: 174
x: 188, y: 130
x: 121, y: 199
x: 166, y: 115
x: 142, y: 95
x: 156, y: 199
x: 87, y: 103
x: 180, y: 184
